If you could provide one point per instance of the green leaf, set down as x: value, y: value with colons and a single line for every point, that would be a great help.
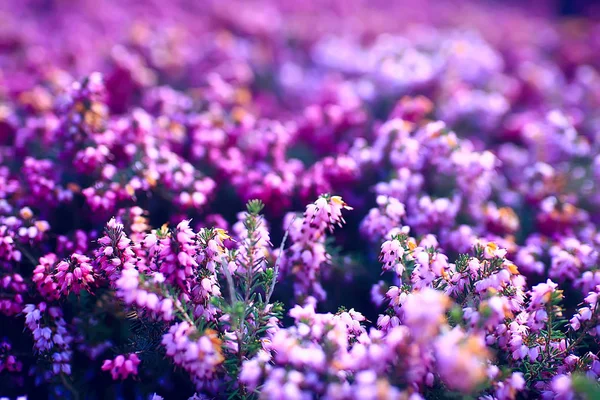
x: 254, y: 207
x: 586, y: 387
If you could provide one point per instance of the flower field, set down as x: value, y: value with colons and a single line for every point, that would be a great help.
x: 320, y: 199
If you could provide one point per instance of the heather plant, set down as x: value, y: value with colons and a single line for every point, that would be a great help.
x: 298, y: 200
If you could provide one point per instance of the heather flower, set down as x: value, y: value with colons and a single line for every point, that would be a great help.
x: 8, y: 250
x: 254, y: 248
x: 74, y: 274
x: 528, y: 257
x: 467, y: 198
x: 424, y: 312
x: 307, y: 254
x: 461, y: 360
x: 212, y: 246
x: 12, y: 291
x: 429, y: 267
x: 501, y: 220
x: 586, y: 315
x: 392, y: 252
x: 44, y: 279
x: 137, y: 290
x: 428, y: 214
x: 116, y: 251
x: 8, y: 361
x: 570, y: 257
x: 197, y: 353
x: 541, y: 294
x: 380, y: 221
x: 328, y: 174
x: 560, y: 388
x: 366, y: 386
x: 543, y: 298
x: 510, y: 387
x: 121, y: 367
x: 407, y: 184
x: 176, y: 258
x: 50, y: 334
x: 326, y: 212
x: 378, y: 293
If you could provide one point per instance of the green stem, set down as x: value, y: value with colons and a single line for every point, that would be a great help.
x: 69, y: 386
x: 250, y: 266
x: 549, y: 332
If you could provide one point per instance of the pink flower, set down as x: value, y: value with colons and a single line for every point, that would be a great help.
x: 122, y: 366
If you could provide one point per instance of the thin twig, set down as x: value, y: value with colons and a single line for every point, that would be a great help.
x: 184, y: 314
x: 69, y: 387
x: 229, y: 283
x: 276, y: 267
x: 583, y: 331
x: 27, y: 254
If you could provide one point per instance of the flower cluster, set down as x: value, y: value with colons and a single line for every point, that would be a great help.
x: 334, y: 356
x: 51, y: 336
x: 121, y: 367
x: 308, y: 254
x: 198, y: 354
